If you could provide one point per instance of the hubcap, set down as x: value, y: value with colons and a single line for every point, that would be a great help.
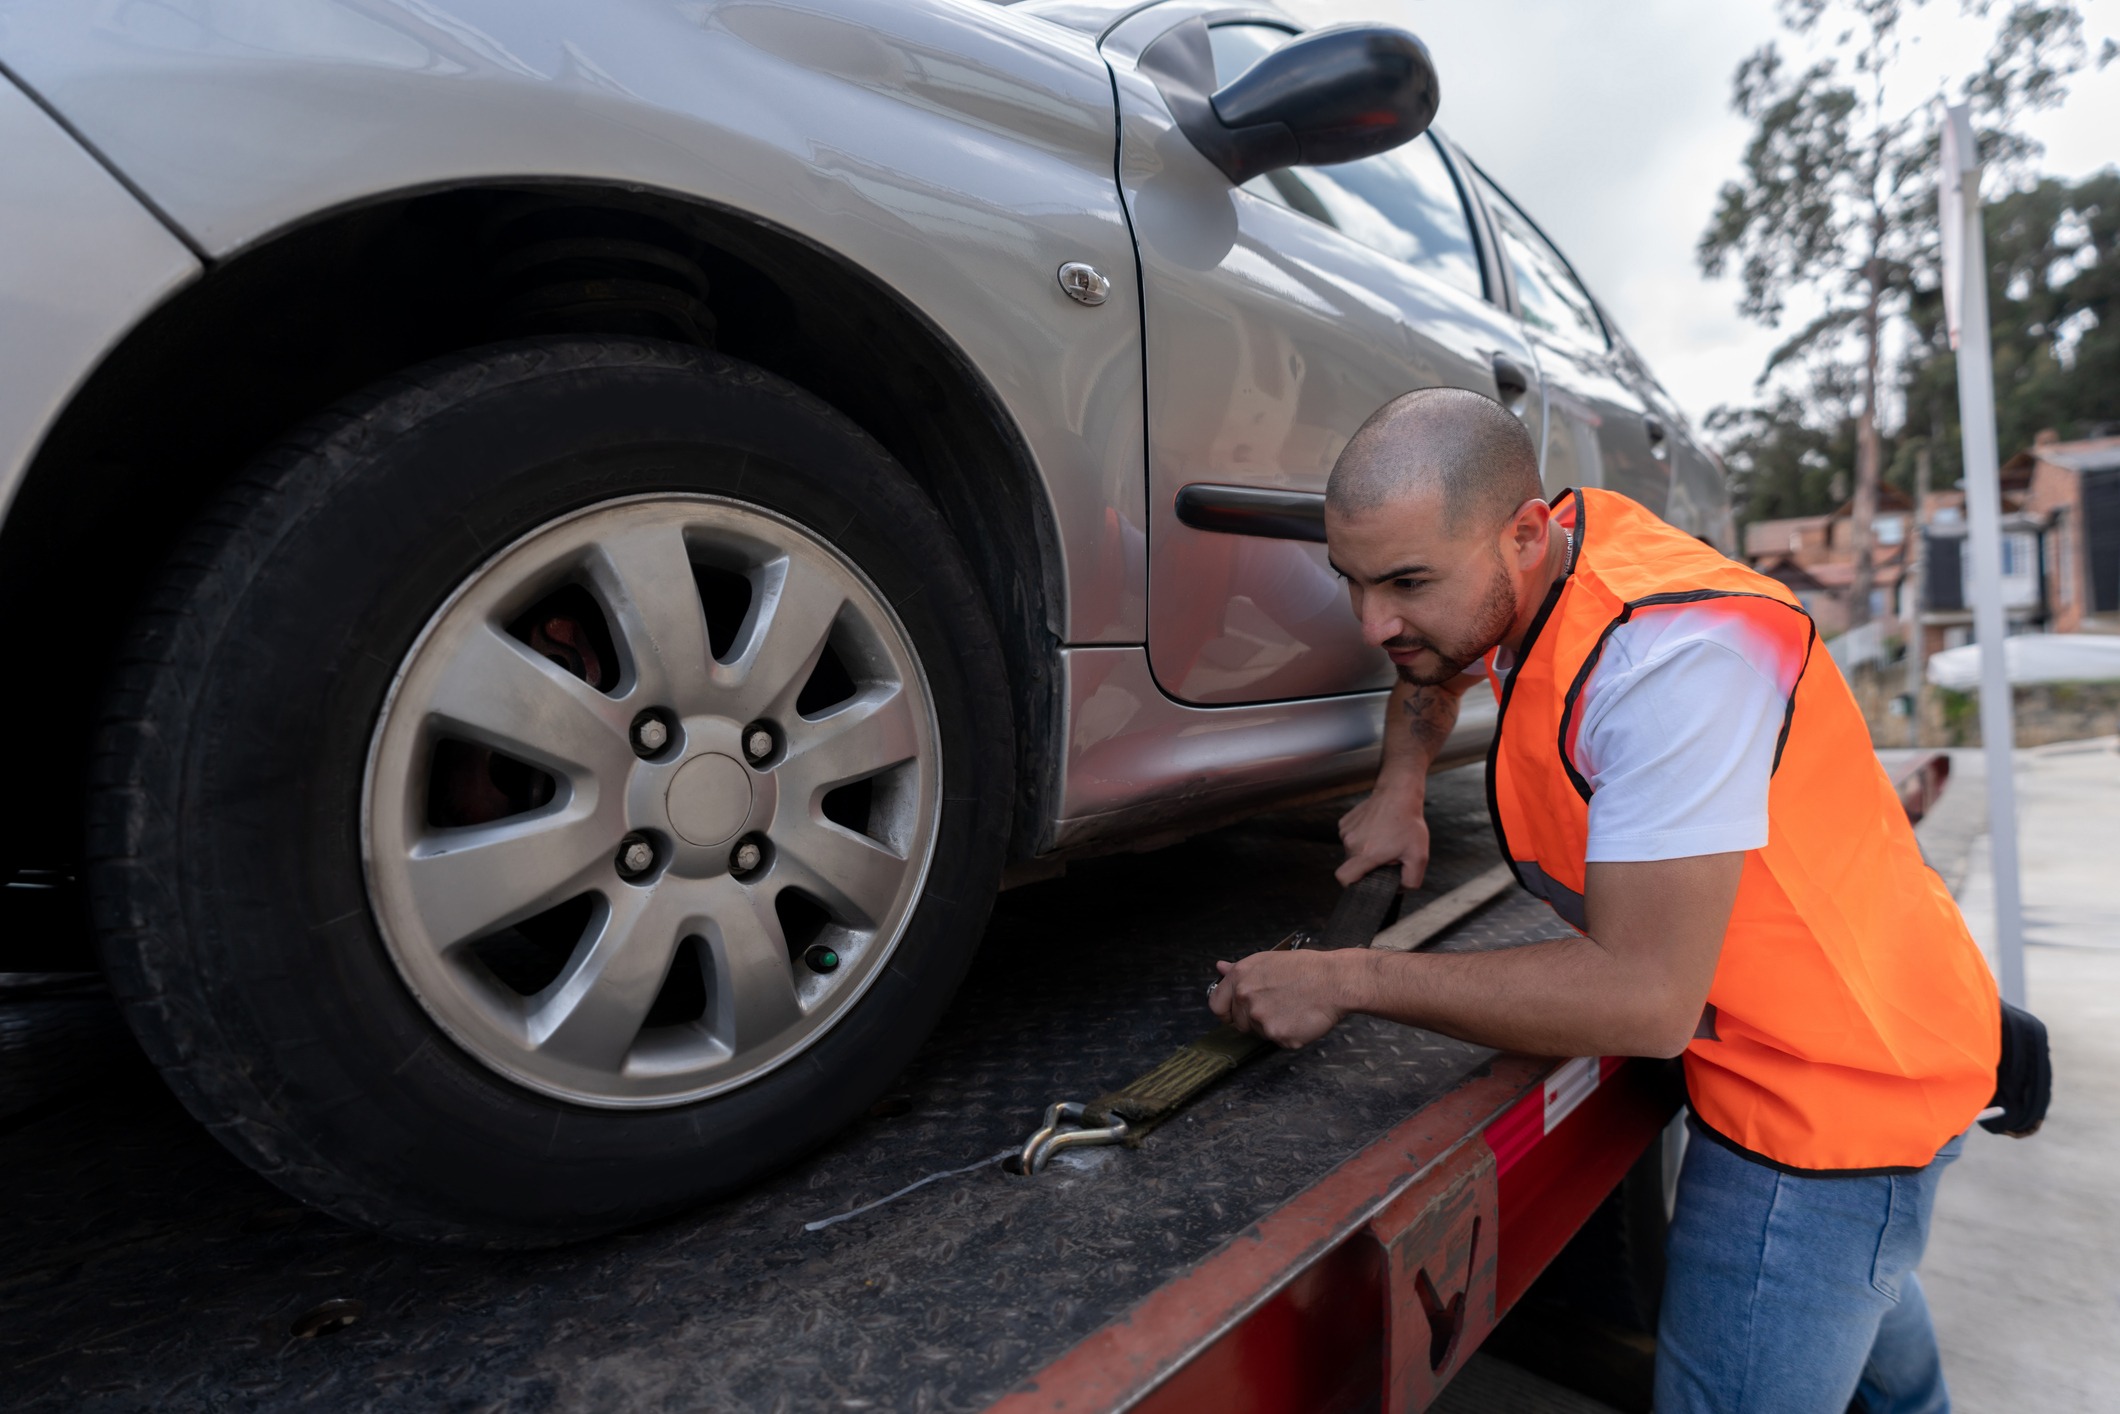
x: 709, y: 799
x: 508, y: 792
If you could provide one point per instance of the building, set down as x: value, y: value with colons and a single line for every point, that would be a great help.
x: 2072, y: 494
x: 1815, y: 557
x: 2060, y: 551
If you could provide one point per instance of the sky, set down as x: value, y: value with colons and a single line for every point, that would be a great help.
x: 1610, y: 123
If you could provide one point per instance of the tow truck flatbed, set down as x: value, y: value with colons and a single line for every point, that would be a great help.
x: 1281, y: 1225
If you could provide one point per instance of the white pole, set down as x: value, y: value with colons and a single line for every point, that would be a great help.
x: 1916, y: 593
x: 1983, y: 500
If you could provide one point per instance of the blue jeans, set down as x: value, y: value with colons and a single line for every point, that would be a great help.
x: 1796, y: 1294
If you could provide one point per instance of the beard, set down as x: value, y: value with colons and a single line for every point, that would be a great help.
x: 1490, y: 622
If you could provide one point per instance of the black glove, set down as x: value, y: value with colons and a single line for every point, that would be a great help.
x: 2024, y: 1080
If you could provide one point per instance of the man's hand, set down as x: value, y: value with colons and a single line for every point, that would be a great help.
x: 1633, y: 986
x: 1290, y: 998
x: 1390, y: 827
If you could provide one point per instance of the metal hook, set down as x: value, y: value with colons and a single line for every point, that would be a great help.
x: 1050, y: 1140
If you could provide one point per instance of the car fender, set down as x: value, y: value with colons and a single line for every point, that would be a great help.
x: 81, y: 262
x: 956, y: 153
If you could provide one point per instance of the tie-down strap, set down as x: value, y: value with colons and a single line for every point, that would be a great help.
x: 1132, y: 1112
x: 1147, y: 1100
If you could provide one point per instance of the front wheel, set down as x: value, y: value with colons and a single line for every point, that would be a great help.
x: 563, y: 785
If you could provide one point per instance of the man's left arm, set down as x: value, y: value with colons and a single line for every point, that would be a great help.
x: 1634, y: 986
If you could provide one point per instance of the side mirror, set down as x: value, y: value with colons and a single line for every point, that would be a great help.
x: 1335, y: 95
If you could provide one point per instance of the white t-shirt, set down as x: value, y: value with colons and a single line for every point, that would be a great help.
x: 1676, y: 732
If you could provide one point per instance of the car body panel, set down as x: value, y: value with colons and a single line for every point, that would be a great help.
x: 1700, y: 493
x: 1270, y: 337
x: 1594, y: 428
x: 954, y: 151
x: 81, y: 261
x: 1144, y: 766
x: 1700, y: 497
x: 1091, y: 17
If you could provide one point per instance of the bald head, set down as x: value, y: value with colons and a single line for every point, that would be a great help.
x: 1460, y: 444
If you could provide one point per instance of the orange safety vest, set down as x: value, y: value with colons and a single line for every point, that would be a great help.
x: 1852, y: 1025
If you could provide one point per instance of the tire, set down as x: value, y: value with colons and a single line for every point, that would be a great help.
x: 273, y: 800
x: 1613, y: 1268
x: 1588, y: 1323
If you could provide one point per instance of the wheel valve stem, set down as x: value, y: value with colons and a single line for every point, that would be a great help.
x: 821, y: 959
x: 635, y: 856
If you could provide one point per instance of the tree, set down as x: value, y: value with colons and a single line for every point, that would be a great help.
x: 1789, y: 456
x: 1836, y: 193
x: 2054, y: 302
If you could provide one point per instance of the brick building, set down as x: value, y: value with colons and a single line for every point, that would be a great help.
x: 1813, y: 556
x: 2072, y: 492
x: 2060, y: 551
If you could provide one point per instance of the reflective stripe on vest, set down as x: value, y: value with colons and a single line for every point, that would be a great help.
x: 1856, y: 1026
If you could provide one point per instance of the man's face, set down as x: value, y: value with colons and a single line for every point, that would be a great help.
x: 1434, y: 603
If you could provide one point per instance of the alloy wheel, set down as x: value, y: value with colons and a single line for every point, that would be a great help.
x: 651, y: 800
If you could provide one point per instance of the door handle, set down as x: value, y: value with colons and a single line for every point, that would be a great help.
x: 1659, y: 438
x: 1253, y: 510
x: 1511, y: 384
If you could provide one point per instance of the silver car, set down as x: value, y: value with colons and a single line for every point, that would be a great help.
x: 558, y: 552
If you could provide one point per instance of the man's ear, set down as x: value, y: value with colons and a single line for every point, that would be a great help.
x: 1524, y: 536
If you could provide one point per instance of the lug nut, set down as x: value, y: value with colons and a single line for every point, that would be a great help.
x: 820, y: 959
x: 635, y: 856
x: 758, y: 743
x: 748, y: 856
x: 650, y: 734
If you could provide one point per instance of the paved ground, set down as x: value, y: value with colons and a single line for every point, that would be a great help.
x: 2023, y: 1270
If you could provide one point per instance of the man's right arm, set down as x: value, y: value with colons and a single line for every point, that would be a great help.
x: 1389, y: 826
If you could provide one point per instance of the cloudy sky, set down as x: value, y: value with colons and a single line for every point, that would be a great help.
x: 1610, y: 123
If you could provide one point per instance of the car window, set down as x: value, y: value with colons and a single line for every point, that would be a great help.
x: 1552, y: 300
x: 1403, y: 202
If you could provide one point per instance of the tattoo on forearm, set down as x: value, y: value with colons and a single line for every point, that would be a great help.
x: 1430, y: 714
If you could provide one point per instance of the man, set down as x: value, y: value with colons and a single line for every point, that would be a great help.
x: 1681, y: 772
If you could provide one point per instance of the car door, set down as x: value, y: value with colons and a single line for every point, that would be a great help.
x: 1599, y: 430
x: 1699, y: 502
x: 1277, y: 317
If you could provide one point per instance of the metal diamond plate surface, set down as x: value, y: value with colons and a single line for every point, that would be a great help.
x: 141, y: 1266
